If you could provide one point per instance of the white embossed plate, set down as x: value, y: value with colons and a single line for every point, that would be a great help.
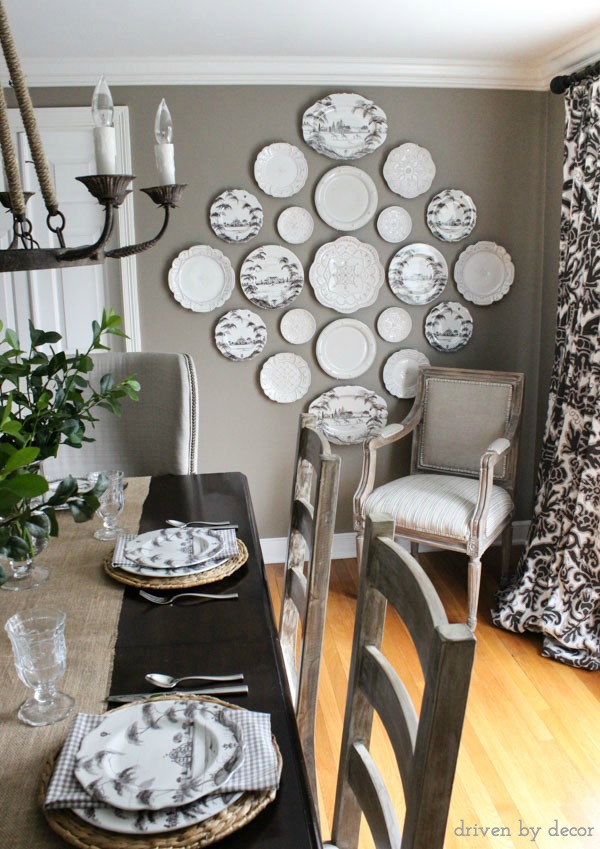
x: 201, y: 278
x: 401, y: 371
x: 172, y: 548
x: 346, y: 348
x: 236, y: 216
x: 451, y: 215
x: 271, y: 276
x: 448, y: 326
x: 240, y: 334
x: 394, y: 324
x: 394, y: 224
x: 298, y: 326
x: 349, y: 414
x: 418, y: 273
x: 344, y: 126
x: 346, y: 275
x: 346, y: 198
x: 285, y: 378
x: 484, y: 273
x: 280, y: 169
x: 295, y: 225
x: 409, y: 170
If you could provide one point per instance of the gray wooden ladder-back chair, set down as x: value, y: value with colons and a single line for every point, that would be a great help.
x: 459, y: 493
x: 156, y: 435
x: 426, y: 745
x: 306, y: 578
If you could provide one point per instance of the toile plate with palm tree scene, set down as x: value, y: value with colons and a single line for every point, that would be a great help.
x: 236, y: 216
x: 417, y: 274
x: 271, y: 276
x: 349, y: 414
x: 344, y: 126
x: 448, y: 326
x: 240, y: 334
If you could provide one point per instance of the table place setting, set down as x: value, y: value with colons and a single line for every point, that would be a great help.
x: 185, y: 763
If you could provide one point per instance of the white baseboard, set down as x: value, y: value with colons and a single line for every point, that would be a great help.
x: 344, y: 546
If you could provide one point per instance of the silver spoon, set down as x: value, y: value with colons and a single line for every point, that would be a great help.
x: 177, y: 524
x: 167, y: 682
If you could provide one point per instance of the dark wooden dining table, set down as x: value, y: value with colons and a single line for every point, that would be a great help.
x: 221, y: 637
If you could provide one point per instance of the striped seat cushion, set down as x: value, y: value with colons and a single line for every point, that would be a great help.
x: 438, y: 504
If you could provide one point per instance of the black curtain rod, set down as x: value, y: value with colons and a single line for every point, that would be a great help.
x: 559, y: 85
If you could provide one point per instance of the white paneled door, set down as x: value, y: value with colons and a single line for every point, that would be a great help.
x: 69, y: 299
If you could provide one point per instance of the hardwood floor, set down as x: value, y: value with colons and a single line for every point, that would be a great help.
x: 529, y: 763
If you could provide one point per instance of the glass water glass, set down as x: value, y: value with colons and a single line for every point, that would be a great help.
x: 40, y: 655
x: 112, y: 502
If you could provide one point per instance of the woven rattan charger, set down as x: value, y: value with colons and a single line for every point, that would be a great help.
x: 79, y: 833
x: 223, y: 570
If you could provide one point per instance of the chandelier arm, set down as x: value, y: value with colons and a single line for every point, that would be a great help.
x: 9, y: 158
x: 27, y: 113
x: 130, y: 250
x: 92, y: 251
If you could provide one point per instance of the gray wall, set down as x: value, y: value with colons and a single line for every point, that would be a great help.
x: 501, y: 147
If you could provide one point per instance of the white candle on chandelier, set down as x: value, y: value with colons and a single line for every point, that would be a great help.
x: 164, y: 149
x: 105, y: 143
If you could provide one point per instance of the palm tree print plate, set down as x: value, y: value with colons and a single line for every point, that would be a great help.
x: 344, y: 126
x: 271, y: 276
x: 236, y: 216
x: 349, y: 414
x: 417, y: 274
x: 240, y: 335
x: 448, y: 326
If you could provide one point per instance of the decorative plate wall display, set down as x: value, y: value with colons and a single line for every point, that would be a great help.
x: 409, y: 170
x: 271, y: 276
x: 394, y: 324
x: 240, y: 334
x: 295, y: 225
x: 346, y: 348
x: 280, y: 170
x: 346, y: 198
x: 394, y: 224
x: 236, y: 216
x: 448, y: 326
x: 349, y: 414
x: 344, y: 126
x: 484, y: 273
x: 298, y: 326
x: 451, y: 215
x: 201, y: 278
x: 346, y: 275
x: 285, y: 378
x: 401, y: 371
x: 418, y: 273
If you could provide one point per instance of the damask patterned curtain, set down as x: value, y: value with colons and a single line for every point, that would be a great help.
x: 556, y: 590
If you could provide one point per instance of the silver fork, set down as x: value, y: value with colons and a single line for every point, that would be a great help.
x: 158, y: 599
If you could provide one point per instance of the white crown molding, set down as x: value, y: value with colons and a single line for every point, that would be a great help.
x: 578, y: 53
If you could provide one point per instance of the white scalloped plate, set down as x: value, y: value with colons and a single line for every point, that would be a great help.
x: 484, y: 273
x: 401, y: 371
x: 280, y: 169
x: 394, y: 324
x: 409, y: 170
x: 285, y: 378
x: 394, y: 224
x: 346, y: 275
x: 298, y: 326
x: 201, y: 278
x: 295, y: 225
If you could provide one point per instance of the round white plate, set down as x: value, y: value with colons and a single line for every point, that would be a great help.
x: 349, y: 414
x: 394, y: 324
x: 346, y: 198
x: 295, y: 225
x: 448, y: 326
x: 285, y: 378
x: 240, y: 334
x: 154, y: 755
x: 409, y: 170
x: 201, y: 278
x: 451, y: 215
x: 346, y: 275
x: 271, y: 276
x: 418, y: 273
x: 484, y: 273
x: 173, y: 548
x: 280, y: 170
x: 236, y: 216
x: 344, y: 126
x: 346, y: 348
x: 298, y: 326
x: 401, y: 371
x: 394, y: 224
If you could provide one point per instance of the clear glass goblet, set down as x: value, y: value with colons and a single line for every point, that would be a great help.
x: 25, y: 574
x: 40, y: 655
x: 112, y: 502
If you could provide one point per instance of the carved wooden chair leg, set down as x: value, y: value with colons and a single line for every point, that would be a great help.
x: 473, y: 589
x: 506, y: 555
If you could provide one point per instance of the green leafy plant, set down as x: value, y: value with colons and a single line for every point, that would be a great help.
x: 47, y: 400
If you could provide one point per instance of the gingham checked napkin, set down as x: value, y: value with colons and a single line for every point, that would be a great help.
x: 229, y: 549
x: 258, y: 770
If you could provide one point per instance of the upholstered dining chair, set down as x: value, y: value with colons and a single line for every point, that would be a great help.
x: 156, y: 435
x: 425, y: 740
x: 306, y: 577
x: 459, y: 494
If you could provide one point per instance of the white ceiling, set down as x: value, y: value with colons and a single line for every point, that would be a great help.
x: 510, y: 44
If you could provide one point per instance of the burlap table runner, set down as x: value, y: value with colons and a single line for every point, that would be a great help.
x: 92, y: 601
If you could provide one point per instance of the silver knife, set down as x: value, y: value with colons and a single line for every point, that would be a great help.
x: 230, y: 689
